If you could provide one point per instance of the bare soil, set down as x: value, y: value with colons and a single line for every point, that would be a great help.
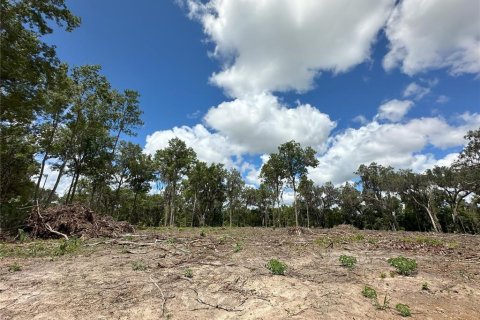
x: 145, y: 276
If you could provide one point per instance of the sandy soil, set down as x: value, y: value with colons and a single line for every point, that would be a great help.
x: 229, y: 279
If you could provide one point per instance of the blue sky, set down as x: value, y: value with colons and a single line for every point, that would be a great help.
x: 232, y: 76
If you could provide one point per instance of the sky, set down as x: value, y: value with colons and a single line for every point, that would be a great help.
x: 395, y: 82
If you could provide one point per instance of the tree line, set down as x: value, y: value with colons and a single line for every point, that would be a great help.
x: 72, y: 120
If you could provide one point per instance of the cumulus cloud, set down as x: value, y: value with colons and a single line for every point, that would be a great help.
x: 210, y: 147
x: 261, y: 122
x: 396, y: 144
x: 415, y: 91
x: 394, y: 110
x: 432, y: 34
x: 281, y: 45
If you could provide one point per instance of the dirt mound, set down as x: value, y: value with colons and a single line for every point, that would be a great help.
x: 76, y: 220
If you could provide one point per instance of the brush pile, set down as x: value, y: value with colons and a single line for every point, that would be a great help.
x: 73, y: 221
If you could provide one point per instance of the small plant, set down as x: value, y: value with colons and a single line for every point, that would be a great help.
x: 348, y: 261
x: 403, y: 309
x: 237, y: 247
x: 276, y: 267
x: 383, y: 275
x: 68, y: 246
x: 425, y: 286
x: 384, y: 305
x: 404, y: 266
x: 202, y: 233
x: 22, y: 236
x: 369, y: 292
x: 188, y: 273
x: 139, y: 266
x: 14, y: 267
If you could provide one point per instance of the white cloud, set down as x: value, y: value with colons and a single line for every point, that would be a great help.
x: 396, y: 144
x: 394, y: 110
x: 51, y: 177
x: 432, y: 34
x: 442, y: 99
x: 415, y: 91
x: 260, y: 123
x: 281, y: 45
x: 360, y: 119
x: 210, y: 147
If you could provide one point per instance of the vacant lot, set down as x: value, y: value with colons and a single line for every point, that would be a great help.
x: 221, y: 274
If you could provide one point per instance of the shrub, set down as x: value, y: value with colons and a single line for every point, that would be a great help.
x: 348, y: 261
x: 369, y: 292
x: 403, y: 265
x: 276, y: 267
x: 384, y: 305
x: 403, y: 309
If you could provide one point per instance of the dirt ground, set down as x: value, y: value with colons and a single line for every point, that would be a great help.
x: 220, y: 274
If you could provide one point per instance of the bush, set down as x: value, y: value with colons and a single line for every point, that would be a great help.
x: 348, y: 261
x: 369, y: 292
x: 276, y: 267
x: 403, y: 265
x: 68, y: 246
x: 403, y: 309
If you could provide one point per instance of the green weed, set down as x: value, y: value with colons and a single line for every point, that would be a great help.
x: 403, y: 309
x: 348, y: 261
x: 188, y: 273
x: 14, y: 267
x: 404, y: 266
x: 369, y: 292
x: 276, y: 267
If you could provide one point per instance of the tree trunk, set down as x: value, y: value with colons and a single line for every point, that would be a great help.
x: 295, y: 203
x: 60, y: 173
x: 74, y: 187
x: 308, y: 218
x: 194, y: 205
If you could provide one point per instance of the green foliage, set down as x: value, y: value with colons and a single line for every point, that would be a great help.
x: 139, y: 265
x: 14, y: 267
x: 383, y: 275
x: 188, y: 273
x: 369, y: 292
x: 237, y: 247
x: 425, y: 286
x: 22, y: 236
x: 68, y: 246
x: 276, y: 267
x: 202, y: 233
x: 404, y: 266
x: 403, y: 309
x: 348, y: 261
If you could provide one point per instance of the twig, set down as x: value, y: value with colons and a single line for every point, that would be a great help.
x: 49, y: 228
x: 163, y: 296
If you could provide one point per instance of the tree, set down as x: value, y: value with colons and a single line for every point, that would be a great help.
x: 141, y: 168
x: 173, y: 163
x: 296, y: 161
x: 272, y: 175
x: 454, y: 186
x: 306, y: 189
x: 234, y: 187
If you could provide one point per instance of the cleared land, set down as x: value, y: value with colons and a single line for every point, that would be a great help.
x: 221, y: 274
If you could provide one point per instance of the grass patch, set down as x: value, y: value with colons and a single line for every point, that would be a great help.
x: 404, y: 266
x: 188, y: 273
x: 348, y: 261
x: 42, y: 248
x: 14, y: 267
x: 139, y: 265
x: 403, y: 309
x: 369, y: 292
x: 384, y: 305
x: 276, y: 267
